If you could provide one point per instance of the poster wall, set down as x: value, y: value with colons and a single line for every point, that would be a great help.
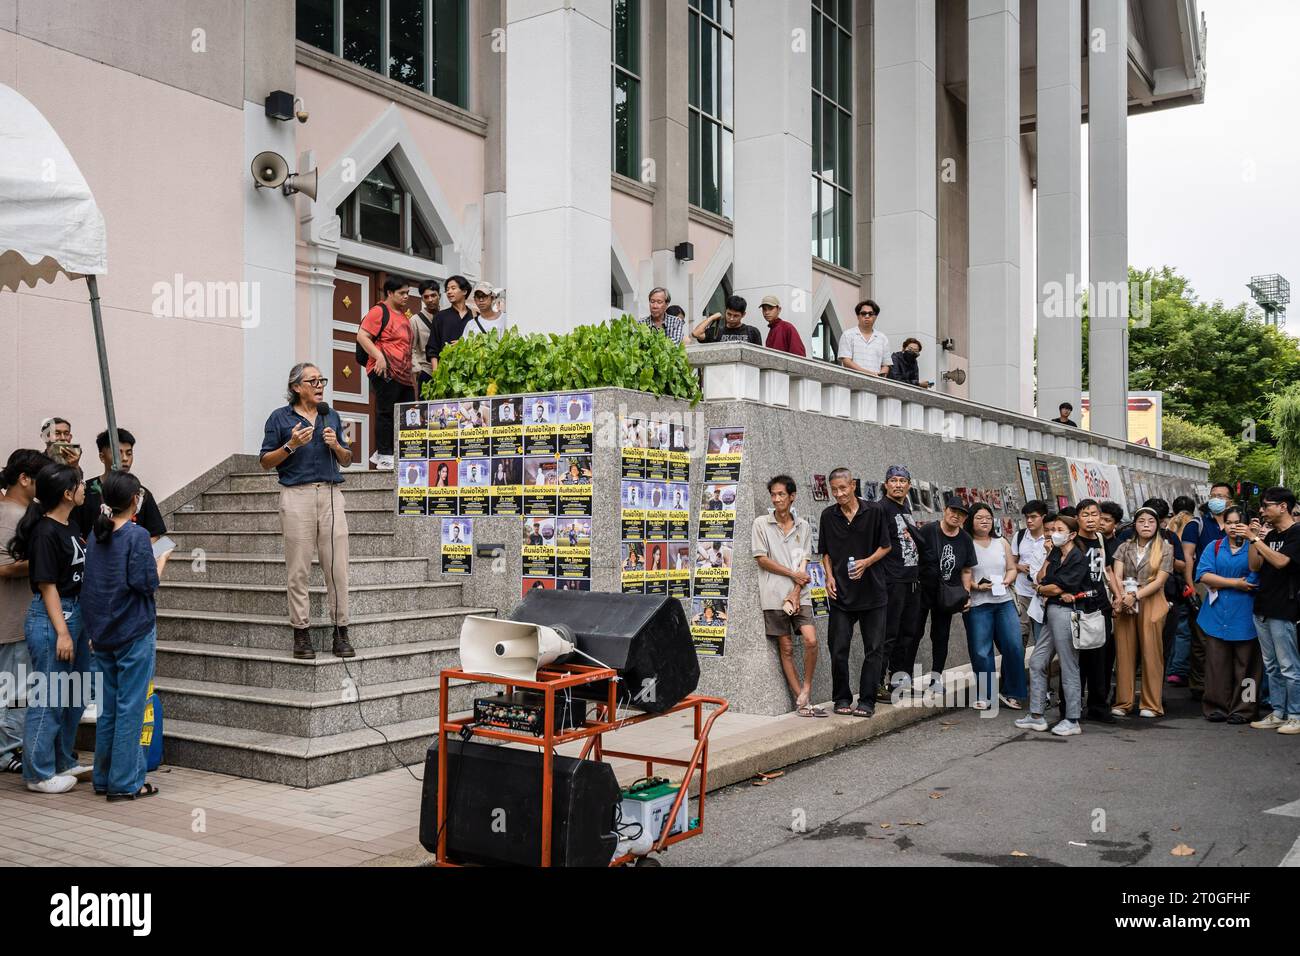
x: 655, y: 508
x: 715, y: 548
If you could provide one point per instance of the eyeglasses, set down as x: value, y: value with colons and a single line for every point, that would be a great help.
x: 866, y: 314
x: 316, y: 382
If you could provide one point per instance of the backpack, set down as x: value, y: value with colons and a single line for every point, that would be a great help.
x: 362, y: 355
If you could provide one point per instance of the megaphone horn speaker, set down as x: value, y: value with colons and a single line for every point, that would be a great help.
x: 269, y: 170
x: 304, y: 183
x: 511, y: 649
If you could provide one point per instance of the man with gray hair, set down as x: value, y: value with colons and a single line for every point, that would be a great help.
x: 659, y: 319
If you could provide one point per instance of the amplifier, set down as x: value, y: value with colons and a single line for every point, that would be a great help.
x: 524, y: 712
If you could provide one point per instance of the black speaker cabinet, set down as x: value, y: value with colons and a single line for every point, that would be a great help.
x: 645, y: 638
x: 494, y: 807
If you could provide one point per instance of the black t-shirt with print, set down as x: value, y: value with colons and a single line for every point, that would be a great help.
x: 57, y: 555
x: 719, y: 332
x: 903, y: 563
x: 1100, y: 555
x: 944, y: 558
x: 1276, y: 597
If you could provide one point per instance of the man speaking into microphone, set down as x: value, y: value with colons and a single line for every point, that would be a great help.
x: 304, y: 443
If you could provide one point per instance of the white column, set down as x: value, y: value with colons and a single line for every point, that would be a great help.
x: 558, y: 126
x: 993, y: 142
x: 774, y: 158
x: 1060, y: 226
x: 904, y: 232
x: 1108, y: 216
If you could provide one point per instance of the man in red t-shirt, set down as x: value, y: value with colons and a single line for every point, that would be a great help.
x: 388, y: 347
x: 781, y: 335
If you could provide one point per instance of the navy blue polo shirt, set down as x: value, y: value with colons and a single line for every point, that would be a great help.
x: 313, y: 462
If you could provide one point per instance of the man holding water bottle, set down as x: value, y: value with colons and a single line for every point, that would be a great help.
x: 853, y: 541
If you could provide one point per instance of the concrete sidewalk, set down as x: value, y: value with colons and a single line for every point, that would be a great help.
x: 207, y: 819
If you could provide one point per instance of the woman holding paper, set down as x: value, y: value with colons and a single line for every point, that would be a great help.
x: 1143, y: 562
x: 117, y: 600
x: 992, y: 619
x: 1232, y: 658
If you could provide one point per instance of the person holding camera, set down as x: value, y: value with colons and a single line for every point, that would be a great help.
x: 1142, y: 564
x: 1275, y: 556
x: 1232, y: 662
x: 57, y: 434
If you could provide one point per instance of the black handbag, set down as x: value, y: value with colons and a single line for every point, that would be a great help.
x: 952, y: 597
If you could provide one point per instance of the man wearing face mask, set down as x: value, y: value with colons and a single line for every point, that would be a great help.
x: 1198, y: 534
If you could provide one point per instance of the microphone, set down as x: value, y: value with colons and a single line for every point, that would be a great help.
x: 323, y: 410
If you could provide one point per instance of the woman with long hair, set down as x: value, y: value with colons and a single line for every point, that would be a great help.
x: 1064, y: 574
x: 1143, y: 563
x: 442, y: 478
x: 117, y: 598
x: 49, y: 540
x: 992, y: 620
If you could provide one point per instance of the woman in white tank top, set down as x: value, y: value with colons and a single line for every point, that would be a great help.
x: 992, y: 620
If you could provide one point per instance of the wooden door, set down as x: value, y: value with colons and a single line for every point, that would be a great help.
x: 353, y: 295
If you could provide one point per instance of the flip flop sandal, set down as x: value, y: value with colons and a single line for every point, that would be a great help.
x: 844, y: 711
x: 862, y: 712
x: 771, y: 776
x: 148, y: 790
x: 818, y: 712
x: 808, y: 711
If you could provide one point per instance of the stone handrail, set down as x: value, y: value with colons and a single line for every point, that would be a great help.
x: 750, y: 373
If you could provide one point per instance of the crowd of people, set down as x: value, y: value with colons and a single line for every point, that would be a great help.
x: 1205, y: 598
x: 80, y: 562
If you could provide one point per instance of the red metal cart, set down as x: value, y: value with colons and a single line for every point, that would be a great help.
x: 563, y: 678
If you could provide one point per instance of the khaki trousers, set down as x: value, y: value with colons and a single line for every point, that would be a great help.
x: 313, y: 527
x: 1142, y: 632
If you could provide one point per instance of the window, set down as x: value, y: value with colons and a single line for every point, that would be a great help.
x: 626, y: 43
x: 825, y: 343
x: 380, y: 211
x: 832, y: 115
x: 420, y: 43
x: 718, y: 301
x: 712, y: 132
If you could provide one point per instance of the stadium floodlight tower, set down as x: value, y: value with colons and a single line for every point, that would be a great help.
x: 1271, y: 293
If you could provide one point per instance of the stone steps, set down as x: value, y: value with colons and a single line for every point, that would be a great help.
x: 277, y: 667
x: 300, y: 713
x: 298, y: 761
x: 267, y: 481
x: 214, y: 568
x: 358, y: 519
x: 364, y: 499
x: 273, y: 631
x: 364, y: 600
x: 360, y: 543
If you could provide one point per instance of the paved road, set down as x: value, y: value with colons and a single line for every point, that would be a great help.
x: 963, y: 790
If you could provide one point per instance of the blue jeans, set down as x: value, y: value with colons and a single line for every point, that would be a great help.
x: 15, y: 665
x: 988, y: 625
x: 57, y: 698
x: 119, y: 758
x: 1178, y: 660
x: 1277, y: 644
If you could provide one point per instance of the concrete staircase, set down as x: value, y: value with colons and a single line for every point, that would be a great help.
x: 235, y: 700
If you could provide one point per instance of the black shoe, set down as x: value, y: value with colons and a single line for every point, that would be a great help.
x: 342, y: 646
x: 1101, y: 716
x: 302, y: 649
x: 1218, y: 717
x: 883, y: 695
x: 1238, y: 719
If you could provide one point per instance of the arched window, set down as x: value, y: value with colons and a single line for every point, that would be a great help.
x: 825, y: 340
x: 380, y: 211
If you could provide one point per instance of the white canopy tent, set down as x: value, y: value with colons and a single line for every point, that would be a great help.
x: 49, y: 223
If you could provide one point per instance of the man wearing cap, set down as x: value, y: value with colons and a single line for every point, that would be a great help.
x: 947, y: 557
x: 902, y: 576
x: 781, y: 335
x: 491, y: 310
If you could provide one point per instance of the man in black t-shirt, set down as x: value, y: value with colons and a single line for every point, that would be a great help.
x: 902, y: 571
x: 732, y: 328
x: 947, y: 556
x: 1276, y: 557
x: 852, y: 531
x: 148, y: 517
x: 1097, y: 665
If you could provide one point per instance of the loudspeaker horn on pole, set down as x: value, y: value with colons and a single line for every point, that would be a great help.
x: 511, y: 649
x: 304, y: 183
x: 270, y: 170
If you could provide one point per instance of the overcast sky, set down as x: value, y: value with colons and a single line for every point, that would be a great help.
x: 1213, y: 189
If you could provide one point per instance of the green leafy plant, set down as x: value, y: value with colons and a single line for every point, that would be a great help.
x: 615, y: 354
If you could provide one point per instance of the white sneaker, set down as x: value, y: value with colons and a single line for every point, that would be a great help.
x: 385, y: 463
x: 1030, y: 722
x: 1147, y: 713
x: 78, y: 771
x: 374, y: 459
x: 1118, y: 712
x: 1272, y: 722
x: 60, y: 784
x: 1292, y: 726
x: 1067, y: 728
x: 90, y: 714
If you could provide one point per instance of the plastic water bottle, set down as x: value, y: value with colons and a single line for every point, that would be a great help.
x: 852, y: 564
